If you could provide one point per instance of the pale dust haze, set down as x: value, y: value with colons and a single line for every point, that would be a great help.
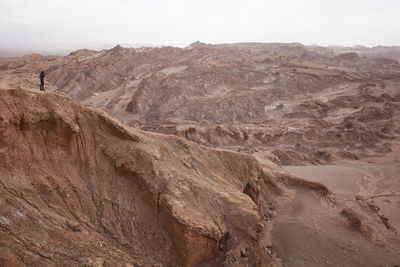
x: 73, y: 24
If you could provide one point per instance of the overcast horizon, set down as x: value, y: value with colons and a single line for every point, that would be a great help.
x: 64, y: 24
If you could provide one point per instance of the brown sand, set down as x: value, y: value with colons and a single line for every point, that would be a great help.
x: 307, y: 234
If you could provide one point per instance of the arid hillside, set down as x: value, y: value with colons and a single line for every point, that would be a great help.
x: 307, y: 104
x: 79, y: 188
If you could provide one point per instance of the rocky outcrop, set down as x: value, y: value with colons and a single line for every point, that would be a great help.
x: 245, y: 97
x: 79, y: 188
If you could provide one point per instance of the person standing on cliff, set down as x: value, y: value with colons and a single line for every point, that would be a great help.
x: 41, y: 76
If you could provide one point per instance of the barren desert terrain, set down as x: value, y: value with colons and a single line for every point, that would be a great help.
x: 245, y: 154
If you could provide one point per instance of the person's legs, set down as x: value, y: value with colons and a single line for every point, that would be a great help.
x: 41, y: 86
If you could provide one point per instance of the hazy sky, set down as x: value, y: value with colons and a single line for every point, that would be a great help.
x: 181, y: 22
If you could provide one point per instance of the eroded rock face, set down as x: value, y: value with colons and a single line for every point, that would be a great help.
x: 77, y: 187
x: 288, y: 98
